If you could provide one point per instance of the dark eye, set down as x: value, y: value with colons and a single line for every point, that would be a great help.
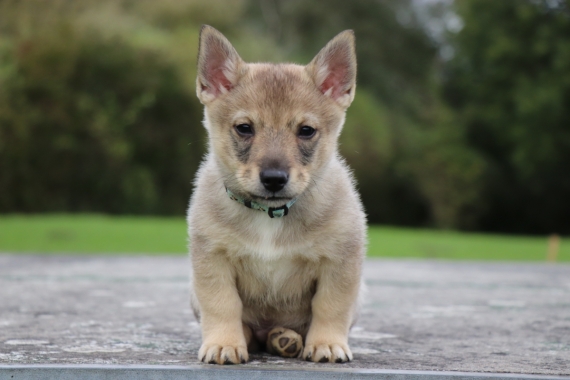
x: 245, y: 130
x: 306, y: 132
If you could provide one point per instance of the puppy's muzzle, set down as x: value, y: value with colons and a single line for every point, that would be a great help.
x: 273, y: 180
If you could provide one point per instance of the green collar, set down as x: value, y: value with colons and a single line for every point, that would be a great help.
x: 274, y: 212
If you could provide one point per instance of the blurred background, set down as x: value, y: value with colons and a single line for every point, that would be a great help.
x: 461, y: 120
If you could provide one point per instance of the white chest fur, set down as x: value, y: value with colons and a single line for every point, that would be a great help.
x: 270, y: 259
x: 264, y: 233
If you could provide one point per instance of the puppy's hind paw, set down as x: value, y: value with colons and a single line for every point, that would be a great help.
x: 284, y: 342
x: 217, y: 354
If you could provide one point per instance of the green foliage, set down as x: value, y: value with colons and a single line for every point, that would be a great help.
x: 449, y: 172
x: 89, y: 122
x: 510, y: 84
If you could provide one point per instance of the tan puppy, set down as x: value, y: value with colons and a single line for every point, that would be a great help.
x: 277, y: 230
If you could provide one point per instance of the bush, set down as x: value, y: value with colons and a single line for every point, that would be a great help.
x: 92, y: 123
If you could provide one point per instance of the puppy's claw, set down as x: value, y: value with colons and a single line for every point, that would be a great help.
x: 325, y: 353
x: 217, y: 354
x: 341, y: 353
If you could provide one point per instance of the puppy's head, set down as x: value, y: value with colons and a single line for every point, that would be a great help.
x: 272, y: 127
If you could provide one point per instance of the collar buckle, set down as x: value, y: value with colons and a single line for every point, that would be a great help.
x: 278, y: 212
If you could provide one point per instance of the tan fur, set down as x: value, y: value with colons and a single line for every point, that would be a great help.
x: 252, y: 273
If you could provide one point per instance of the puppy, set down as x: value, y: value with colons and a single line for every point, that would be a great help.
x: 277, y: 230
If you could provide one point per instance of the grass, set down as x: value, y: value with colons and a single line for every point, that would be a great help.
x: 84, y: 234
x: 407, y: 243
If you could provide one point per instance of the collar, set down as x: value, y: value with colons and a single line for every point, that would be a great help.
x: 274, y: 212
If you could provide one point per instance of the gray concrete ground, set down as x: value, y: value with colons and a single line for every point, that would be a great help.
x: 419, y: 315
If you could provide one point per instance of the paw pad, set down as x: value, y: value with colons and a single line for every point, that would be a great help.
x: 284, y: 342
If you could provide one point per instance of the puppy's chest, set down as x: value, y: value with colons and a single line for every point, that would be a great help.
x: 277, y: 280
x: 267, y: 273
x: 272, y: 263
x: 268, y: 240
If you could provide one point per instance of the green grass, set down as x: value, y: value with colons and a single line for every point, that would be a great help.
x: 404, y: 242
x: 86, y: 233
x: 79, y: 234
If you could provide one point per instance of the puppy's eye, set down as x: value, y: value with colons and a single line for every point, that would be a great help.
x: 306, y: 132
x: 245, y: 130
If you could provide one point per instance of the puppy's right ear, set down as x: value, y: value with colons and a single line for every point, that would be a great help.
x: 219, y: 65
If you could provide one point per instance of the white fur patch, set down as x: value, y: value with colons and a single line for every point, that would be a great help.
x: 267, y: 231
x: 272, y: 264
x: 264, y: 246
x: 206, y: 121
x: 277, y: 272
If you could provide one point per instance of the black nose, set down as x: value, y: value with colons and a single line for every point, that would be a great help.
x: 273, y: 180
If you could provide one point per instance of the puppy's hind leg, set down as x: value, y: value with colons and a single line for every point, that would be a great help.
x: 284, y: 342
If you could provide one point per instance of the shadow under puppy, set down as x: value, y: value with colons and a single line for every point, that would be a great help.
x: 277, y: 229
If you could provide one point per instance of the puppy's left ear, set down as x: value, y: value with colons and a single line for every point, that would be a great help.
x: 334, y: 69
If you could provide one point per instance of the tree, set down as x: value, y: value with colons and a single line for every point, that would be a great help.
x: 509, y: 82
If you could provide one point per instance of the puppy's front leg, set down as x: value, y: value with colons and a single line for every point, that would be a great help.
x: 223, y: 339
x: 333, y: 308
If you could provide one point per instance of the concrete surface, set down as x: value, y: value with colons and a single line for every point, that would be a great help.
x: 419, y: 316
x: 173, y: 372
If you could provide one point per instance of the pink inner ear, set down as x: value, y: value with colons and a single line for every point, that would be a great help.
x: 332, y: 81
x: 336, y: 79
x: 215, y: 76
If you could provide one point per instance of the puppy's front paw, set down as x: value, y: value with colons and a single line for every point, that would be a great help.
x: 327, y: 352
x: 218, y: 354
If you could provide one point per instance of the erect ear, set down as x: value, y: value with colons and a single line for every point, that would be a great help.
x: 334, y: 68
x: 219, y: 65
